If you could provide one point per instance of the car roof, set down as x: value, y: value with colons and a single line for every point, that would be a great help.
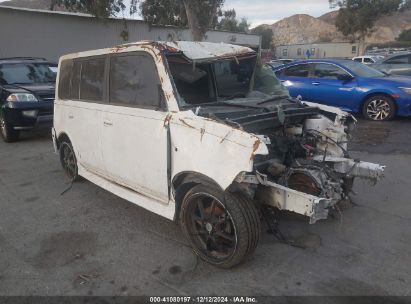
x: 332, y: 61
x: 397, y: 54
x: 192, y: 50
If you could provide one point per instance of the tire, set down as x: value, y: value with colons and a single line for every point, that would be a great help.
x: 226, y: 231
x: 7, y: 132
x: 68, y: 160
x: 379, y: 108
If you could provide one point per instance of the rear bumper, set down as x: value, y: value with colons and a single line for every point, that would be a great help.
x: 28, y: 115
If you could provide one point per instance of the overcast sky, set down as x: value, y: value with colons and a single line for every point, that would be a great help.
x: 269, y: 11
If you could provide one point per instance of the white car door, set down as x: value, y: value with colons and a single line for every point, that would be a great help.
x: 134, y: 135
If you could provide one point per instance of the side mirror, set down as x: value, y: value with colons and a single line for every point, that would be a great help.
x: 345, y: 77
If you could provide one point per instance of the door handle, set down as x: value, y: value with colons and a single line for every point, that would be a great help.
x: 108, y: 123
x: 316, y: 83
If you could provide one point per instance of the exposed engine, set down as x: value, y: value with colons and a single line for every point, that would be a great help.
x: 294, y: 159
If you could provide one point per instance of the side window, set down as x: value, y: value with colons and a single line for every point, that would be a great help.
x: 404, y: 59
x: 328, y: 71
x: 368, y: 60
x: 92, y: 79
x: 75, y: 80
x: 300, y: 70
x: 358, y: 59
x: 134, y: 81
x: 65, y: 79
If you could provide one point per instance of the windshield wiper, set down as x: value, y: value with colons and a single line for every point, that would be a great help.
x: 274, y: 99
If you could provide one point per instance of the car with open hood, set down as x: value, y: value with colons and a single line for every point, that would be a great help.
x: 203, y: 134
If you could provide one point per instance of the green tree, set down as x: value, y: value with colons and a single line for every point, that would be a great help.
x: 405, y: 35
x: 98, y: 8
x: 165, y: 12
x: 229, y: 22
x: 356, y: 18
x: 266, y: 36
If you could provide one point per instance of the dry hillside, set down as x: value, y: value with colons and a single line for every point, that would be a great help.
x: 307, y: 29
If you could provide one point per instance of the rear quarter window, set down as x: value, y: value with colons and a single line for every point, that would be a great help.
x: 65, y: 79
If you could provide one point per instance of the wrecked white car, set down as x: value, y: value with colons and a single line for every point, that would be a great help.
x: 202, y: 134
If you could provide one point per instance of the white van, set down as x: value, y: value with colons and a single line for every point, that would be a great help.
x: 202, y: 134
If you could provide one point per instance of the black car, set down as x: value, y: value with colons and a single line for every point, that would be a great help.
x: 26, y: 95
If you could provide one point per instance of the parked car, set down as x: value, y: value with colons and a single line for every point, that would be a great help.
x: 171, y: 127
x: 279, y: 62
x: 368, y: 59
x: 397, y: 64
x: 349, y: 85
x: 26, y: 95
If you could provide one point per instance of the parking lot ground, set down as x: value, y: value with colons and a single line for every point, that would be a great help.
x: 90, y: 242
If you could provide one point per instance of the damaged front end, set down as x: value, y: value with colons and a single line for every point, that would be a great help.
x: 308, y: 169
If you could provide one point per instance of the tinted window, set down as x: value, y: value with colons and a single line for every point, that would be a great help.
x: 92, y: 79
x: 368, y: 60
x: 300, y: 70
x: 404, y: 59
x: 328, y: 71
x: 75, y: 80
x: 64, y: 79
x: 361, y: 70
x: 358, y: 59
x: 134, y: 81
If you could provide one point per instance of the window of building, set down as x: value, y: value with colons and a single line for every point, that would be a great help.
x: 134, y: 81
x: 299, y: 52
x: 313, y: 52
x: 285, y: 52
x: 65, y: 79
x: 354, y: 49
x: 92, y: 79
x: 299, y: 70
x: 328, y: 71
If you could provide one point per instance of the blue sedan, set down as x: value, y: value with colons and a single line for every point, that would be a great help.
x: 349, y: 85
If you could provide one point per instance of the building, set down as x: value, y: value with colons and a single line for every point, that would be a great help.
x: 318, y: 50
x: 50, y: 34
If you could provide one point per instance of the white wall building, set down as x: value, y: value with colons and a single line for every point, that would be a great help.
x: 318, y: 50
x: 50, y: 34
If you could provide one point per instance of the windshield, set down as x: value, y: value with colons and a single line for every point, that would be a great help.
x: 26, y: 73
x: 362, y: 70
x: 224, y: 80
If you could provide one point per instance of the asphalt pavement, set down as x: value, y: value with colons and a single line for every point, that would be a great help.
x: 90, y: 242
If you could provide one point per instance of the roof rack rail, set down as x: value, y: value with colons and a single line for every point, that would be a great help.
x: 24, y: 58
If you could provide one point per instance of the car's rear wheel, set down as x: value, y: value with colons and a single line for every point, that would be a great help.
x: 222, y: 228
x: 68, y: 160
x: 7, y: 132
x: 379, y: 108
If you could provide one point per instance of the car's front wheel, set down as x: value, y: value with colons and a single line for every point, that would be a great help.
x: 222, y: 228
x: 7, y: 132
x: 379, y: 108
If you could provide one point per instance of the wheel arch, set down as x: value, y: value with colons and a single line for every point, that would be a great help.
x: 183, y: 182
x: 368, y: 96
x: 62, y: 136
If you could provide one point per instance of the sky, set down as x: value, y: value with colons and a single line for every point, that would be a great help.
x: 269, y: 11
